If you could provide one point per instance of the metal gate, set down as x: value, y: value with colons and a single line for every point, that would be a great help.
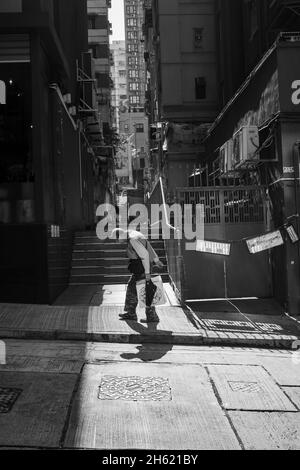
x: 232, y: 214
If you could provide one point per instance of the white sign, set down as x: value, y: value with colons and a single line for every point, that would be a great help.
x: 213, y: 247
x: 2, y: 353
x: 2, y: 92
x: 265, y: 242
x: 288, y: 169
x: 296, y: 94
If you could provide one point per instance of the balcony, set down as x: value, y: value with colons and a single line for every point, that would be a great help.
x: 284, y: 13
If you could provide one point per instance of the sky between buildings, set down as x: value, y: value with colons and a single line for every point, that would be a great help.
x: 116, y: 17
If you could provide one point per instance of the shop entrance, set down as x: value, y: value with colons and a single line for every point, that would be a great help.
x: 232, y: 214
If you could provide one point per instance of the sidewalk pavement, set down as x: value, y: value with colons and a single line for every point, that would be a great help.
x: 91, y: 313
x: 77, y: 395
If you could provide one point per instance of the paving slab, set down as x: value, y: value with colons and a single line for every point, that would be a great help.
x: 267, y: 431
x: 294, y: 395
x: 42, y: 364
x: 188, y: 417
x: 248, y: 388
x: 107, y: 294
x: 285, y: 371
x: 38, y: 416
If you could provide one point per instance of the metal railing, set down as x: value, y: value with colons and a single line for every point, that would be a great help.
x: 173, y: 244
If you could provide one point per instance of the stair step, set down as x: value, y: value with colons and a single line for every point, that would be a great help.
x: 157, y: 244
x: 107, y: 279
x: 80, y: 254
x: 101, y: 270
x: 152, y: 238
x: 95, y: 271
x: 99, y: 262
x: 92, y: 253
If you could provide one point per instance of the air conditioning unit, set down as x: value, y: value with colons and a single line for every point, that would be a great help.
x: 245, y: 146
x: 226, y: 155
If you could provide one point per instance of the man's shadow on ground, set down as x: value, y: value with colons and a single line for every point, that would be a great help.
x: 149, y: 351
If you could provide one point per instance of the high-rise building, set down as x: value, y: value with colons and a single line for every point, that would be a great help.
x: 99, y: 30
x: 133, y: 121
x: 101, y: 132
x: 135, y: 54
x: 119, y: 78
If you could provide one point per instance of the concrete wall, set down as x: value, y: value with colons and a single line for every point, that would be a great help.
x: 181, y: 61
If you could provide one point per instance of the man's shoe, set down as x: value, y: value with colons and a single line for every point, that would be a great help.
x: 150, y: 320
x: 128, y: 316
x: 151, y: 317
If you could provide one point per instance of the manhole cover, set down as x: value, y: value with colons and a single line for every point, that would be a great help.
x: 135, y: 389
x: 8, y: 396
x: 246, y: 387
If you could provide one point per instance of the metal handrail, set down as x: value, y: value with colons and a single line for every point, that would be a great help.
x: 167, y: 221
x: 179, y: 257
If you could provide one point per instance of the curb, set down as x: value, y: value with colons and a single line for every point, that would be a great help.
x: 203, y: 338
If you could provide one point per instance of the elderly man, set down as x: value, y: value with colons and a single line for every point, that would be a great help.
x: 141, y: 256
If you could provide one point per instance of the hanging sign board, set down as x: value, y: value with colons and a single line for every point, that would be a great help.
x: 213, y: 247
x: 292, y: 234
x: 2, y: 92
x: 265, y: 242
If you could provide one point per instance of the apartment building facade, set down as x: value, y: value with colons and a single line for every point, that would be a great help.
x: 46, y: 165
x: 101, y: 130
x: 181, y: 58
x: 133, y: 121
x: 119, y: 78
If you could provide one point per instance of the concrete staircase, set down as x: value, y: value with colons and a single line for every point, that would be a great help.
x: 96, y: 262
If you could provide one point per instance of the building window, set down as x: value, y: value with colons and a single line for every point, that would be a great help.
x: 132, y: 35
x: 123, y: 97
x: 131, y: 10
x: 200, y: 88
x: 122, y: 73
x: 132, y: 22
x: 132, y: 61
x: 198, y: 38
x: 16, y: 158
x: 134, y: 86
x: 103, y: 80
x: 134, y: 100
x: 139, y: 128
x: 97, y: 22
x: 133, y: 48
x: 133, y: 73
x: 99, y: 51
